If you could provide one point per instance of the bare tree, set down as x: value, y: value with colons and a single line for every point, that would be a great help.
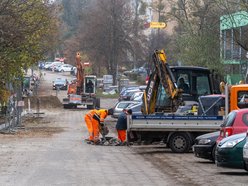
x: 108, y: 34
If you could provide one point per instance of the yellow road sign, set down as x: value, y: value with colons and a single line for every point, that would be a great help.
x: 157, y: 25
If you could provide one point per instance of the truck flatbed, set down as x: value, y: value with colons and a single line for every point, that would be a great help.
x: 174, y: 123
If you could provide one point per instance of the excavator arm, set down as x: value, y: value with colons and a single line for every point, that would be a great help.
x: 161, y: 75
x: 80, y: 74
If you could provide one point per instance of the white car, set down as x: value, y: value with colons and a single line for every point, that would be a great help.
x: 65, y: 68
x: 52, y: 65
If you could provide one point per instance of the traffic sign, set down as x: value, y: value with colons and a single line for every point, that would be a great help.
x: 157, y: 25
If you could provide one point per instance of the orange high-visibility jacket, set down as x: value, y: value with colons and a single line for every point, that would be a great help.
x: 101, y: 114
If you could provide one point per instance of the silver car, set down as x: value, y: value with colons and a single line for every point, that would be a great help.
x: 122, y: 105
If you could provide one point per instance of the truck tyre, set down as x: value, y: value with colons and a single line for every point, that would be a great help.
x: 66, y: 106
x: 180, y: 142
x: 98, y: 105
x: 90, y: 106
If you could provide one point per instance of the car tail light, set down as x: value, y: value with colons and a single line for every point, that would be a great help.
x: 228, y: 132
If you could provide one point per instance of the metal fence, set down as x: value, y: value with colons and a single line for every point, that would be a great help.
x: 13, y: 111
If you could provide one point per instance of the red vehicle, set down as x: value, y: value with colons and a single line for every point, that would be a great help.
x: 236, y: 122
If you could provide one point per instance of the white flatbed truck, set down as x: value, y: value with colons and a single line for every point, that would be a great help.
x: 177, y: 132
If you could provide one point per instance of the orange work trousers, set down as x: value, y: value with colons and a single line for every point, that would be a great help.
x: 96, y: 131
x: 121, y: 135
x: 89, y: 120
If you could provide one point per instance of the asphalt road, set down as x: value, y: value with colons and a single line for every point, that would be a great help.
x: 50, y: 151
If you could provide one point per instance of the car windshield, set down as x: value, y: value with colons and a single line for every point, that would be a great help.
x: 136, y: 107
x: 123, y: 105
x: 229, y: 120
x: 60, y: 81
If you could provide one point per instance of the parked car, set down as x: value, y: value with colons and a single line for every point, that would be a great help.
x: 127, y: 94
x: 46, y: 65
x: 41, y: 64
x: 60, y: 83
x: 205, y: 146
x: 235, y: 123
x: 118, y: 108
x: 245, y: 153
x: 65, y: 68
x: 229, y: 151
x: 52, y: 65
x: 124, y: 89
x: 135, y: 107
x: 137, y: 96
x: 56, y: 67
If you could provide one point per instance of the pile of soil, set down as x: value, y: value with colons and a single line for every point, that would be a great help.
x: 43, y: 102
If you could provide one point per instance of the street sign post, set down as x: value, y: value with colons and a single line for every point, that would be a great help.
x: 157, y: 25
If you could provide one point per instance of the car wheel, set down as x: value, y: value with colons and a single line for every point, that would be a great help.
x: 213, y: 153
x: 180, y: 142
x: 245, y: 166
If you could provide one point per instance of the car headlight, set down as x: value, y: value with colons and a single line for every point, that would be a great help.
x: 204, y: 141
x: 246, y: 145
x: 231, y: 144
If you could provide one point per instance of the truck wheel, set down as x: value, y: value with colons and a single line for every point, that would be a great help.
x: 66, y: 106
x: 98, y: 103
x: 180, y: 142
x: 90, y: 106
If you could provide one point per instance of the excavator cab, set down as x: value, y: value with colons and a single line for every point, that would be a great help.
x: 90, y: 85
x: 196, y: 82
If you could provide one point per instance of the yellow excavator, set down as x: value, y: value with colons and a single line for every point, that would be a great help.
x: 164, y: 93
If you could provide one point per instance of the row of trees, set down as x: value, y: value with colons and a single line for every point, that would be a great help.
x: 111, y: 32
x: 28, y: 31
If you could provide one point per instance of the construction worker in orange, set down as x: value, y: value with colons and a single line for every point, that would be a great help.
x: 92, y: 119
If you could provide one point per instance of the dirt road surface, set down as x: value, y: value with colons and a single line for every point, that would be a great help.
x: 49, y: 150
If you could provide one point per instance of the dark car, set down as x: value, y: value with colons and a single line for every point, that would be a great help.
x: 229, y: 151
x: 60, y: 84
x: 205, y: 145
x: 245, y: 153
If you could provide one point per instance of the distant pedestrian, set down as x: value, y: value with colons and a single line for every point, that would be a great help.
x: 121, y: 126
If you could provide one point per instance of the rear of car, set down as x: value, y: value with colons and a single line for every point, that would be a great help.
x: 235, y: 123
x: 60, y: 84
